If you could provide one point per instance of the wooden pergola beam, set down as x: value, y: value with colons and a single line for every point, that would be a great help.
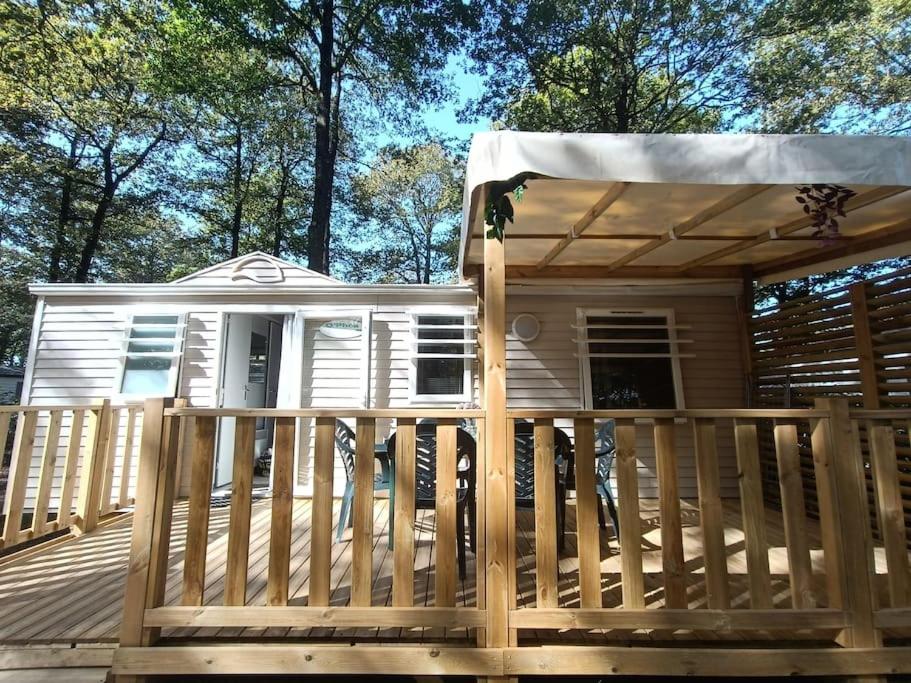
x: 860, y: 201
x: 884, y: 237
x: 724, y: 204
x: 632, y: 272
x: 613, y: 194
x: 614, y: 236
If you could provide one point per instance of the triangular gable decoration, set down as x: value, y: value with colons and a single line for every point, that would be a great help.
x: 258, y: 269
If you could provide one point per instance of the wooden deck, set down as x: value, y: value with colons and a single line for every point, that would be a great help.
x: 72, y: 593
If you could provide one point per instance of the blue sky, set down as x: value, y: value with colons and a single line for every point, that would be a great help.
x: 467, y: 85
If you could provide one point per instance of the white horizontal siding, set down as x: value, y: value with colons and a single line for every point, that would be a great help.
x: 544, y: 373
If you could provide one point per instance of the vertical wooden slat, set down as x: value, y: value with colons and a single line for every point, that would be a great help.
x: 500, y: 571
x: 710, y: 514
x: 164, y: 506
x: 144, y: 523
x: 403, y: 542
x: 70, y: 464
x: 863, y: 340
x: 588, y: 537
x: 127, y: 466
x: 46, y: 475
x: 362, y: 538
x: 110, y: 463
x: 829, y: 512
x: 201, y: 467
x: 512, y: 591
x: 669, y: 512
x: 447, y: 464
x: 794, y: 514
x: 753, y: 511
x: 241, y: 507
x: 851, y: 492
x: 481, y: 526
x: 93, y: 456
x: 545, y: 514
x: 282, y: 505
x: 891, y: 515
x: 4, y: 428
x: 321, y: 515
x: 25, y: 441
x: 633, y: 581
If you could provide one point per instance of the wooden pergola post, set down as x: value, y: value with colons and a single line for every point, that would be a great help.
x: 497, y: 531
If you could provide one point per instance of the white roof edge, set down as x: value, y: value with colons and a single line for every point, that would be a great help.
x: 252, y: 254
x: 713, y: 159
x: 168, y: 290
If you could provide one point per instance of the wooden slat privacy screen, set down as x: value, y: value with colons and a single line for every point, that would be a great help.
x: 853, y: 342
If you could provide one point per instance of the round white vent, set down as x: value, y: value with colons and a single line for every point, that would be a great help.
x: 525, y: 327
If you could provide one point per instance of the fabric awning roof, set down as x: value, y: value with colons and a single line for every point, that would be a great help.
x: 684, y: 206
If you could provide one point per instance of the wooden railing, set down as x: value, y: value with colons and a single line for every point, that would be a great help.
x: 145, y: 612
x: 838, y: 604
x: 62, y: 453
x: 845, y: 604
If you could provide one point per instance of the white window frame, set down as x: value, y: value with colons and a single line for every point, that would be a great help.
x: 470, y: 326
x: 176, y: 355
x: 672, y: 339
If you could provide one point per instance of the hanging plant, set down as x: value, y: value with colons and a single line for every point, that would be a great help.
x: 499, y: 208
x: 825, y: 204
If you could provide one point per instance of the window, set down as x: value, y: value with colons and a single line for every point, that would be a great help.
x: 442, y: 349
x: 630, y: 359
x: 150, y: 355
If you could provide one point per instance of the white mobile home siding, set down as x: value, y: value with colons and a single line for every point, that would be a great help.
x: 79, y: 340
x: 545, y: 372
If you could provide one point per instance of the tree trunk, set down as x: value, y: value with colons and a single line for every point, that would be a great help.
x: 94, y: 238
x: 90, y: 246
x: 428, y: 255
x: 238, y: 199
x: 64, y: 213
x: 324, y: 157
x: 280, y: 208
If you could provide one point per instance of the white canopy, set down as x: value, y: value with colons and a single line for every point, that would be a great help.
x: 676, y: 205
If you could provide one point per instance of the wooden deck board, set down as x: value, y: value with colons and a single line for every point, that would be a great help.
x: 72, y: 593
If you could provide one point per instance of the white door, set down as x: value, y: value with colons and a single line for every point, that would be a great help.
x: 246, y: 371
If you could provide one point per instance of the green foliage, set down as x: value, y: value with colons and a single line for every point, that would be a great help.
x: 407, y: 216
x: 849, y: 76
x: 647, y: 66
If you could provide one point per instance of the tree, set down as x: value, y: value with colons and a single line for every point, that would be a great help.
x: 408, y: 205
x: 388, y: 53
x: 798, y: 288
x: 77, y: 76
x: 629, y: 65
x: 839, y: 77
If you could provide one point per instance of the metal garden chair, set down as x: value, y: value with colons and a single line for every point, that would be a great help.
x: 425, y: 480
x: 525, y: 471
x: 345, y: 444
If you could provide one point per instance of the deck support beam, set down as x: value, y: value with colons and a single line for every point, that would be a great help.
x: 498, y: 540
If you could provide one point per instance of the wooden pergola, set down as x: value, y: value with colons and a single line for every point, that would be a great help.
x: 636, y: 224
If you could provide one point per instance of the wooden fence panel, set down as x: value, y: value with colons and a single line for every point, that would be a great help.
x: 201, y: 469
x: 241, y: 509
x: 672, y: 562
x: 362, y: 538
x: 588, y: 537
x: 545, y: 514
x: 447, y: 462
x: 710, y: 513
x: 403, y: 514
x: 753, y: 510
x: 321, y: 520
x: 282, y: 508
